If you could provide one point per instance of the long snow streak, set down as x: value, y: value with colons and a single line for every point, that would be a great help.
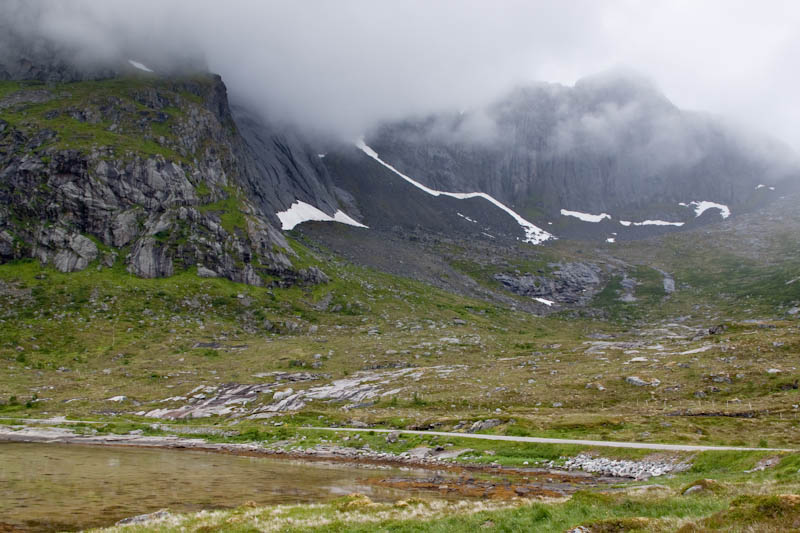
x: 627, y: 223
x: 657, y: 223
x: 140, y: 66
x: 533, y: 234
x: 300, y: 212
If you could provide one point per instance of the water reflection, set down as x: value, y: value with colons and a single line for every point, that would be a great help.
x: 50, y: 487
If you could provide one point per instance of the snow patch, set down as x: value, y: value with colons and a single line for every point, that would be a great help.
x: 300, y: 212
x: 548, y: 303
x: 701, y: 207
x: 657, y: 223
x: 140, y: 66
x: 586, y: 217
x: 343, y: 218
x: 465, y: 217
x: 533, y: 234
x: 648, y: 222
x: 321, y: 156
x: 611, y: 239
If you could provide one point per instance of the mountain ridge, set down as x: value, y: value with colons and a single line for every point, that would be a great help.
x: 212, y: 178
x: 603, y: 145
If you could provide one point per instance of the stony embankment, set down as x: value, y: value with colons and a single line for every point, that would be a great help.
x: 638, y: 470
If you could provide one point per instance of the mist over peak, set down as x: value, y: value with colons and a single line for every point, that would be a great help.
x: 343, y: 67
x: 622, y: 86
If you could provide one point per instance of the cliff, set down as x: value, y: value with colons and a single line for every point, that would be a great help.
x: 149, y: 172
x: 612, y: 143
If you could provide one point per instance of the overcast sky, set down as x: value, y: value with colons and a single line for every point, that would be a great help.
x: 341, y: 65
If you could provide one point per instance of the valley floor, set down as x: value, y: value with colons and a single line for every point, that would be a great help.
x: 420, y: 371
x: 713, y: 490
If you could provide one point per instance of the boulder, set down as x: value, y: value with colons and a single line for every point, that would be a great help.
x: 636, y: 381
x: 204, y: 272
x: 281, y: 395
x: 482, y: 425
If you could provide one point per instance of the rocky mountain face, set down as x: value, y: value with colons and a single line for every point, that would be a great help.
x: 283, y: 167
x: 611, y: 143
x: 149, y: 172
x: 120, y: 164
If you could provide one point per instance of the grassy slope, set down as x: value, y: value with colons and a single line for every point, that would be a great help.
x: 97, y: 334
x: 58, y: 115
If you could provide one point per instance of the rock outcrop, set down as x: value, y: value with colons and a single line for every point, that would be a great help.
x: 151, y: 172
x: 570, y: 283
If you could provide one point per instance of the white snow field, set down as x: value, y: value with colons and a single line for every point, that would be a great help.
x: 586, y: 217
x: 627, y: 223
x: 300, y: 212
x: 657, y: 223
x: 702, y: 206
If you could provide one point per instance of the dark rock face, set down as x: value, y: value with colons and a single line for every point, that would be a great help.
x: 611, y: 144
x: 283, y: 167
x: 569, y: 283
x: 388, y: 203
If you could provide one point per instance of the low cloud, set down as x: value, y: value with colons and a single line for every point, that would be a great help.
x: 343, y: 66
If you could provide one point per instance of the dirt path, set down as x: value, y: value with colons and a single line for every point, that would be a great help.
x: 543, y: 440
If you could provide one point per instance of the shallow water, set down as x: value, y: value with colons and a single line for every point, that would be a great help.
x: 57, y: 487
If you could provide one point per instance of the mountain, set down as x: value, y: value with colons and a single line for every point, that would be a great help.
x: 123, y: 165
x: 136, y: 163
x: 612, y: 144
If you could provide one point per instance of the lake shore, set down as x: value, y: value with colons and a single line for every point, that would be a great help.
x: 436, y: 461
